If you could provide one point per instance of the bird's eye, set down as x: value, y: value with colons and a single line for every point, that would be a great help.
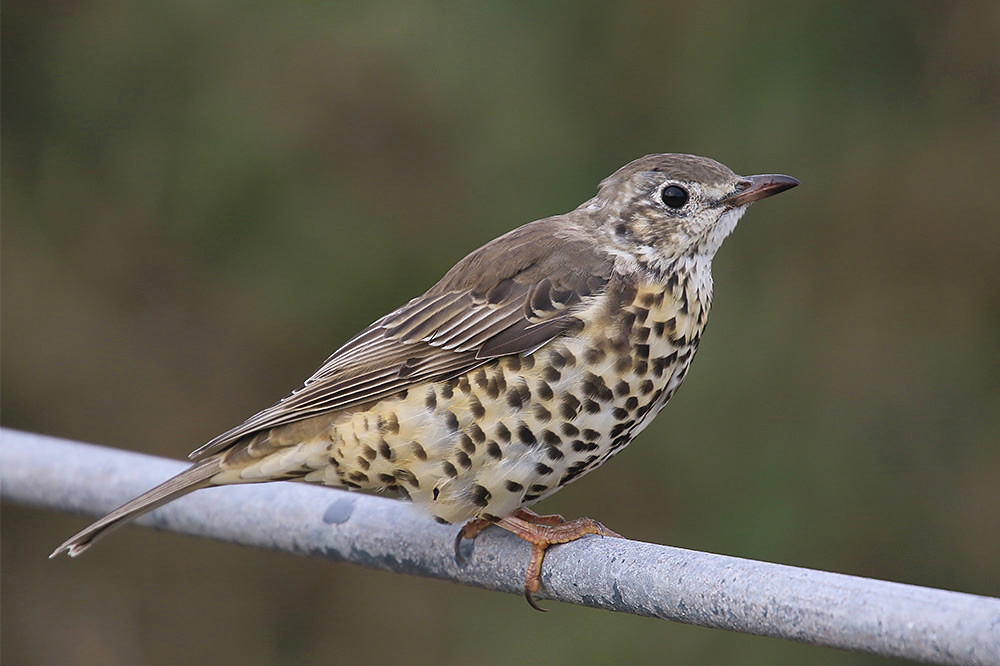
x: 674, y: 196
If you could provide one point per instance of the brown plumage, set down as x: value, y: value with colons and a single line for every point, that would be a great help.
x: 531, y: 362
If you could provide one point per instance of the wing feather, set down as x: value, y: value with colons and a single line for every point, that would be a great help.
x: 511, y: 296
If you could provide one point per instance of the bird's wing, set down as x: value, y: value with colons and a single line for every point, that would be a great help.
x: 510, y: 296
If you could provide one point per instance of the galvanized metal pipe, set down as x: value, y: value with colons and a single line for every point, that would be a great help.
x: 817, y: 607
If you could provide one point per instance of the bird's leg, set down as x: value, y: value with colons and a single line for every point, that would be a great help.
x: 537, y: 519
x: 469, y: 531
x: 541, y: 532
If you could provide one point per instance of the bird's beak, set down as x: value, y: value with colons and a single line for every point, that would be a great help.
x: 755, y: 188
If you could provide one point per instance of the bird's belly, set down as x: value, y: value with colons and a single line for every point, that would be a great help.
x: 512, y: 431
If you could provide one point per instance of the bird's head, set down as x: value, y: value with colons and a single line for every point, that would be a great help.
x: 666, y: 206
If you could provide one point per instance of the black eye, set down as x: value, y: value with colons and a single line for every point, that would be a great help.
x: 674, y: 196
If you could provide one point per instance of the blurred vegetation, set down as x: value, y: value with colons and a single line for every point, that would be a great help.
x: 202, y: 200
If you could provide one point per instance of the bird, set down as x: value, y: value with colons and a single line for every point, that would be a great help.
x: 533, y: 361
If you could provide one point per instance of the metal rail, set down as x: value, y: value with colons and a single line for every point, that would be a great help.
x: 817, y: 607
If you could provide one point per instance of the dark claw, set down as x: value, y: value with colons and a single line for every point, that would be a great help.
x: 458, y: 546
x: 531, y: 601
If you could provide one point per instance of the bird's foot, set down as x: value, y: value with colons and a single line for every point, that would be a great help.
x: 541, y: 532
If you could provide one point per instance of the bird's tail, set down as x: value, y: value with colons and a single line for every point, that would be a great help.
x: 195, y: 477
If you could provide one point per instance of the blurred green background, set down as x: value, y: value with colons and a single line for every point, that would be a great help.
x: 202, y: 200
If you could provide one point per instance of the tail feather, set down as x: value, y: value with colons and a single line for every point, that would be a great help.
x: 189, y: 480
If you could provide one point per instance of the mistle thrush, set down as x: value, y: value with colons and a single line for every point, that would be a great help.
x: 530, y: 363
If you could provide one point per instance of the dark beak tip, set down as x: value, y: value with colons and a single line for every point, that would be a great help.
x: 763, y: 186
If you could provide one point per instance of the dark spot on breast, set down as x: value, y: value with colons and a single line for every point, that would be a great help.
x: 431, y: 400
x: 544, y: 391
x: 623, y: 364
x: 492, y: 389
x: 515, y: 398
x: 620, y: 428
x: 556, y: 359
x: 463, y: 459
x: 418, y: 450
x: 479, y: 378
x: 447, y: 391
x: 551, y: 374
x: 502, y: 432
x: 538, y: 488
x: 620, y: 344
x: 513, y: 486
x: 385, y: 450
x: 646, y: 387
x: 368, y: 452
x: 525, y: 436
x: 501, y: 379
x: 449, y: 469
x: 594, y: 387
x: 573, y: 471
x: 591, y: 435
x: 642, y: 334
x: 476, y: 407
x: 632, y: 403
x: 542, y: 469
x: 439, y: 518
x: 480, y: 495
x: 467, y: 444
x: 450, y: 420
x: 641, y: 367
x: 569, y: 358
x: 569, y: 406
x: 595, y: 355
x: 662, y: 363
x: 553, y: 452
x: 493, y: 449
x: 646, y: 299
x: 358, y: 477
x: 642, y: 351
x: 541, y: 414
x: 392, y: 424
x: 591, y: 407
x: 407, y: 477
x: 387, y: 478
x: 527, y: 362
x: 619, y: 413
x: 570, y: 430
x: 512, y: 363
x: 476, y: 433
x: 551, y: 438
x: 622, y: 388
x: 363, y: 463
